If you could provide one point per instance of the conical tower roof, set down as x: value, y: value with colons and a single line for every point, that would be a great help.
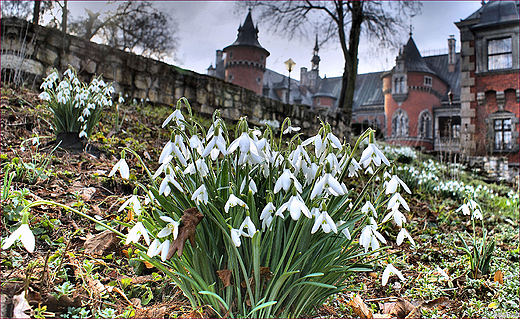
x: 413, y: 60
x: 247, y: 35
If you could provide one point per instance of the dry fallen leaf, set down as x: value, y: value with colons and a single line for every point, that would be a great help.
x: 359, y: 307
x: 401, y: 308
x: 189, y: 221
x: 225, y: 276
x: 499, y: 277
x: 100, y: 243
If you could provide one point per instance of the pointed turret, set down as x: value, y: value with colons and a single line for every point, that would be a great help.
x: 315, y: 57
x: 412, y: 59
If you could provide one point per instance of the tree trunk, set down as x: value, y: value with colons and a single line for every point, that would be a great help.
x: 36, y: 12
x: 64, y: 16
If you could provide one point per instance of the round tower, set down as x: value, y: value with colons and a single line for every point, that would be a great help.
x: 245, y: 58
x: 412, y: 91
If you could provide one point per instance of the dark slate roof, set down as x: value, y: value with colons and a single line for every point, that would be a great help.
x: 275, y: 81
x: 247, y: 35
x: 413, y: 59
x: 439, y: 63
x: 496, y: 12
x: 369, y: 90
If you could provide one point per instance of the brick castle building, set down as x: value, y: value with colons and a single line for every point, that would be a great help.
x: 464, y: 103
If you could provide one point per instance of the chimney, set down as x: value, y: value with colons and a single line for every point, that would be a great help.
x: 218, y: 58
x: 452, y: 56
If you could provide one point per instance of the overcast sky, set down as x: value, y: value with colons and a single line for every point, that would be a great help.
x: 207, y: 26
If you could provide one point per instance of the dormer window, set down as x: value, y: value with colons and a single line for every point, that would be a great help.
x: 427, y: 81
x: 500, y: 54
x: 399, y: 84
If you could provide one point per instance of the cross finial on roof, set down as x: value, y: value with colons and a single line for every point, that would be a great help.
x: 411, y: 29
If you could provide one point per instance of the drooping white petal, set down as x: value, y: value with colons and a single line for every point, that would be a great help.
x: 23, y: 234
x: 235, y: 236
x: 390, y: 270
x: 402, y: 234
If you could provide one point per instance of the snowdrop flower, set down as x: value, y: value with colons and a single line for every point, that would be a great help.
x: 82, y: 134
x: 398, y: 216
x: 296, y: 207
x: 234, y: 201
x: 329, y: 183
x: 291, y: 129
x: 396, y: 200
x: 179, y: 149
x: 373, y: 154
x: 44, y: 96
x: 199, y: 166
x: 23, y: 234
x: 215, y: 146
x: 443, y: 273
x: 333, y: 140
x: 310, y: 172
x: 69, y: 73
x: 177, y: 116
x: 200, y: 195
x: 252, y: 186
x: 319, y: 145
x: 391, y: 186
x: 249, y: 225
x: 165, y: 186
x: 297, y: 156
x: 171, y: 228
x: 369, y: 170
x: 135, y: 234
x: 235, y: 237
x: 326, y: 223
x: 353, y: 168
x: 370, y: 236
x: 196, y: 144
x: 285, y: 180
x: 368, y: 205
x: 391, y: 270
x: 86, y: 112
x: 136, y: 205
x: 156, y: 247
x: 402, y: 234
x: 123, y: 168
x: 121, y: 100
x: 166, y: 151
x: 345, y: 231
x: 245, y: 143
x: 477, y: 214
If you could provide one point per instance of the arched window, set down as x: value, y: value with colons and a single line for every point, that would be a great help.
x: 400, y: 124
x: 425, y: 124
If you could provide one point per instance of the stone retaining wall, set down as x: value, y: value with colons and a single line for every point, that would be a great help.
x: 36, y: 50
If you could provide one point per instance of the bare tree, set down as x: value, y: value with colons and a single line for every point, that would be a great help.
x: 341, y: 21
x: 19, y: 9
x: 135, y: 26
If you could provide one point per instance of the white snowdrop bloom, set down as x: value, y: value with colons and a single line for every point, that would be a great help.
x: 82, y: 134
x: 325, y: 222
x: 345, y: 231
x: 234, y: 201
x: 286, y: 180
x: 86, y: 112
x: 200, y: 195
x: 123, y: 168
x: 333, y: 141
x: 159, y: 248
x: 369, y: 170
x: 296, y: 206
x: 235, y: 237
x: 368, y: 205
x: 310, y: 172
x: 63, y: 85
x: 135, y: 234
x: 266, y: 222
x: 252, y: 186
x: 215, y: 146
x: 23, y: 234
x: 444, y: 275
x: 397, y: 215
x: 196, y: 144
x: 44, y: 96
x: 199, y: 166
x: 249, y: 225
x: 319, y: 145
x: 391, y: 186
x: 61, y: 97
x: 373, y: 154
x: 165, y: 189
x: 244, y: 143
x: 477, y: 214
x: 291, y: 129
x: 134, y: 201
x: 332, y: 160
x: 353, y: 168
x: 177, y: 116
x: 330, y: 184
x: 390, y: 270
x: 121, y: 100
x: 171, y: 228
x: 179, y: 149
x: 402, y: 234
x: 396, y: 200
x: 166, y: 151
x: 297, y: 157
x: 69, y: 73
x: 370, y: 237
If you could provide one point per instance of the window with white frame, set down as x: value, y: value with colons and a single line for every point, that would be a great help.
x: 503, y: 136
x: 427, y: 81
x: 399, y: 84
x: 500, y: 54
